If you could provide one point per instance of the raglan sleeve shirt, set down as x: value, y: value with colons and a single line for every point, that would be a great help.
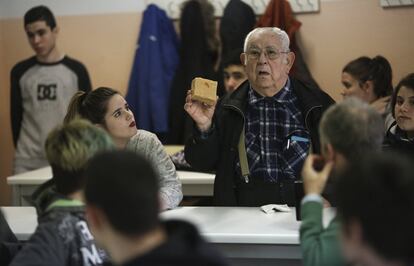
x: 148, y: 144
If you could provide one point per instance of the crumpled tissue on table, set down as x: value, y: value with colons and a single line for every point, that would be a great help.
x: 271, y: 208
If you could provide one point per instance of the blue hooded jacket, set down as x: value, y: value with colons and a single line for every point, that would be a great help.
x: 154, y: 66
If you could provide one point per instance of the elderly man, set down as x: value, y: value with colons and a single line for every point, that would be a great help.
x: 257, y: 138
x: 349, y: 131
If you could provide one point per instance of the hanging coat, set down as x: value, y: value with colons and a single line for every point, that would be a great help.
x: 279, y: 14
x: 237, y: 21
x: 196, y: 60
x: 155, y: 62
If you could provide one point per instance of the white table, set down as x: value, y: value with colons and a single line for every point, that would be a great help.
x: 22, y: 221
x: 194, y: 183
x: 24, y: 184
x: 246, y: 235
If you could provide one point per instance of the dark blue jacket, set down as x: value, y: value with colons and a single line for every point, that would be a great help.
x: 396, y: 140
x: 155, y: 62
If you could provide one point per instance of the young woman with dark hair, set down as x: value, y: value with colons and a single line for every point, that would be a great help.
x: 370, y: 79
x: 400, y: 136
x: 108, y: 109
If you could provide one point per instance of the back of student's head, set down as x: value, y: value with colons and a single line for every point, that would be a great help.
x: 124, y: 185
x: 377, y: 193
x: 91, y: 106
x: 352, y: 127
x: 40, y: 13
x: 376, y: 69
x: 407, y: 82
x: 232, y: 58
x: 68, y: 149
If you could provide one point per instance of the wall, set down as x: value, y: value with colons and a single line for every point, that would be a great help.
x: 5, y: 134
x: 103, y: 33
x: 347, y: 29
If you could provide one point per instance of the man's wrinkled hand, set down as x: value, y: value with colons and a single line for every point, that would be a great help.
x: 201, y: 113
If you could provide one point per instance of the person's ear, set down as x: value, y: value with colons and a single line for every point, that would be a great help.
x: 56, y: 29
x: 354, y: 232
x: 352, y: 241
x: 289, y: 59
x: 93, y: 217
x: 368, y: 86
x: 243, y: 59
x: 329, y: 152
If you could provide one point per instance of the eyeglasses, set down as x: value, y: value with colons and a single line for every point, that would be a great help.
x: 271, y: 54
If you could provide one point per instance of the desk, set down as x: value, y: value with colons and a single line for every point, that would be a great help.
x: 22, y: 221
x: 171, y: 149
x: 246, y: 235
x: 23, y: 185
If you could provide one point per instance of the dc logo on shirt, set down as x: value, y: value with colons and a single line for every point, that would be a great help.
x: 46, y: 92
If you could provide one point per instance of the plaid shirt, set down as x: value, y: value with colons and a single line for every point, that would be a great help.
x: 277, y: 141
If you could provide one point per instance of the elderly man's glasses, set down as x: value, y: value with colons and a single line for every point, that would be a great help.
x: 271, y: 54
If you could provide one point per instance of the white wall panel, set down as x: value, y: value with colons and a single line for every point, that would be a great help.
x: 17, y: 8
x: 394, y: 3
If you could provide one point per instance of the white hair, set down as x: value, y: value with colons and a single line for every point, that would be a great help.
x: 280, y: 34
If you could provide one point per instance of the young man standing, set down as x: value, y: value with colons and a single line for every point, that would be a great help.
x: 41, y: 88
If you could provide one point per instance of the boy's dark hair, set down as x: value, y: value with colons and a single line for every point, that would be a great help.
x: 232, y: 58
x: 377, y: 191
x: 407, y: 82
x: 125, y: 186
x: 40, y: 13
x: 378, y: 70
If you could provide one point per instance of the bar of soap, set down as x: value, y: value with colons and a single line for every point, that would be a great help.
x: 204, y: 90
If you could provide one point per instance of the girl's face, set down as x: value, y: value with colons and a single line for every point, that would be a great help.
x: 404, y: 110
x: 119, y: 120
x: 352, y: 88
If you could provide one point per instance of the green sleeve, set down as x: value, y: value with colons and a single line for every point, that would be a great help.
x: 320, y: 246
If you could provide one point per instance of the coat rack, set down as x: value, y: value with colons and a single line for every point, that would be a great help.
x: 395, y: 3
x: 172, y: 7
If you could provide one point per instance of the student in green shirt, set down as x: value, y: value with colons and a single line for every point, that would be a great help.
x: 348, y: 131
